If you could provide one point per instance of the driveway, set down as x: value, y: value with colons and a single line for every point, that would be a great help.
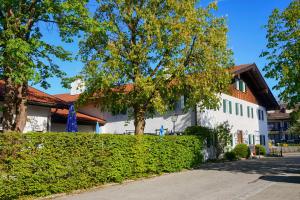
x: 269, y: 178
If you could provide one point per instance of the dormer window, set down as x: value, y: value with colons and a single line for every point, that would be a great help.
x: 240, y: 85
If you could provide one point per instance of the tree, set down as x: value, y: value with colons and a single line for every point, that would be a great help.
x: 283, y: 51
x: 150, y: 53
x: 222, y: 138
x: 25, y: 56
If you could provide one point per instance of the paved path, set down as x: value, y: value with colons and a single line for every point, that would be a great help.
x: 267, y: 179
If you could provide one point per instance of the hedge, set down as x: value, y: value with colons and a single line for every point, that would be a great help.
x: 40, y: 164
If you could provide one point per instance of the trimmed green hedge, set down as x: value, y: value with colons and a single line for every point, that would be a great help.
x: 39, y: 164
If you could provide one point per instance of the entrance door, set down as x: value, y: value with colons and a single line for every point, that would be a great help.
x: 240, y: 137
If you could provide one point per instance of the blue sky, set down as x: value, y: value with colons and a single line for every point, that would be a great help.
x: 246, y: 36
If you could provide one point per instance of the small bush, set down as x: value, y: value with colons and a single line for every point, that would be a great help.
x: 260, y: 150
x: 242, y: 151
x: 230, y: 155
x: 40, y: 164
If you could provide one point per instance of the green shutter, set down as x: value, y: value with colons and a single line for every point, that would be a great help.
x: 224, y: 105
x: 248, y: 111
x: 252, y: 115
x: 241, y: 107
x: 254, y: 139
x: 241, y: 85
x: 236, y: 108
x: 249, y: 138
x: 230, y: 107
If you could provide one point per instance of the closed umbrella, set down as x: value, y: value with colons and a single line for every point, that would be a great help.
x: 161, y: 130
x: 72, y: 121
x: 98, y: 128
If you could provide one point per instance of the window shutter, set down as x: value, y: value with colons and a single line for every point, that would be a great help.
x: 230, y: 107
x: 241, y: 107
x: 244, y: 86
x: 252, y: 115
x: 182, y: 102
x: 253, y: 139
x: 236, y: 108
x: 249, y: 138
x: 248, y: 111
x: 237, y: 84
x: 258, y: 112
x: 241, y: 88
x: 224, y: 105
x: 262, y: 115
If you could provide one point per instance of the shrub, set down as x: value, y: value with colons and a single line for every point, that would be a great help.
x: 201, y: 131
x: 242, y: 151
x: 230, y: 155
x: 260, y: 150
x: 39, y: 164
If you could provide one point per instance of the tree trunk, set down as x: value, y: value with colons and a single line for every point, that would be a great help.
x: 21, y: 107
x: 139, y: 120
x: 8, y: 106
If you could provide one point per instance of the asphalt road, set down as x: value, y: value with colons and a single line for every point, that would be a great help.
x: 267, y: 179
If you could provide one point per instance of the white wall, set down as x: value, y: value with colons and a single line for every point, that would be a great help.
x: 212, y: 118
x: 118, y: 124
x: 37, y: 119
x: 60, y: 127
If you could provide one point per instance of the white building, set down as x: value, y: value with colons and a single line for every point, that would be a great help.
x: 244, y: 107
x: 49, y: 113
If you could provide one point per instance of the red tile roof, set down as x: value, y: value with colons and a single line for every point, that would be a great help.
x: 67, y: 97
x: 80, y: 116
x: 37, y: 96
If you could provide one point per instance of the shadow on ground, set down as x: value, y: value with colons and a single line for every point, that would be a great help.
x: 266, y: 166
x: 282, y: 179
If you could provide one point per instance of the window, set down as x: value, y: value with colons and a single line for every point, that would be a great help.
x: 262, y: 140
x: 224, y: 106
x: 236, y: 108
x: 261, y: 115
x: 240, y: 85
x: 241, y: 111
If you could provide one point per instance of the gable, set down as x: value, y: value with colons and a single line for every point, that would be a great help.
x: 257, y: 90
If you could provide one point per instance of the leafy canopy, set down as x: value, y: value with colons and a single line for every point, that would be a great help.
x: 283, y: 51
x: 149, y: 53
x: 24, y: 54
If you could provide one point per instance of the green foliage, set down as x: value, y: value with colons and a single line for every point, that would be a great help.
x: 242, y: 151
x: 164, y: 49
x: 24, y: 54
x: 231, y: 156
x: 219, y: 137
x: 260, y: 150
x: 36, y: 164
x: 283, y: 51
x: 223, y: 138
x: 201, y: 131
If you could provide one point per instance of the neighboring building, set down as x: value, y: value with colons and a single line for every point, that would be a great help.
x: 49, y: 113
x: 278, y: 126
x: 244, y: 107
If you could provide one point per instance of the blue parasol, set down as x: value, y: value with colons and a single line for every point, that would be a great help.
x: 98, y: 128
x: 161, y: 131
x: 72, y: 121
